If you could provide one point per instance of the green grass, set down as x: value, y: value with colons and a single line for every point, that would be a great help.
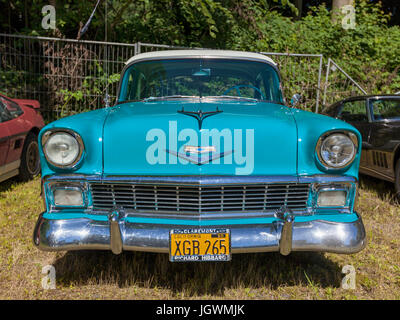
x: 137, y: 275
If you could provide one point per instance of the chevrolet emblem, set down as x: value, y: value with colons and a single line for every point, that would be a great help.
x: 198, y: 149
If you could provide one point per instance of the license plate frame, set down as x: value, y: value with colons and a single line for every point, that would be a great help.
x: 217, y: 249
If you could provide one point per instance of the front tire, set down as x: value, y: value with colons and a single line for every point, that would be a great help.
x: 30, y: 160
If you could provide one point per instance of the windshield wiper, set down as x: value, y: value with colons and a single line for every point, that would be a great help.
x: 233, y: 97
x: 168, y: 98
x: 244, y: 98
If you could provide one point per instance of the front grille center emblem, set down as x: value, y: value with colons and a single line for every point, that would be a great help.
x: 198, y: 150
x: 199, y: 155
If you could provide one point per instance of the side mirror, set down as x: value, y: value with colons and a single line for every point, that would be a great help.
x: 296, y: 99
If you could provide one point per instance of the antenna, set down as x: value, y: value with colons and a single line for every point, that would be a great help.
x: 107, y: 97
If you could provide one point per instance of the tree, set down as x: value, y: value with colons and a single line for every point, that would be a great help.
x: 299, y: 6
x: 337, y: 5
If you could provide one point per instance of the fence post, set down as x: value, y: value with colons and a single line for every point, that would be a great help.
x: 326, y: 80
x: 319, y: 82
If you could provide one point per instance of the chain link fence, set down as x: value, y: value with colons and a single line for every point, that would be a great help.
x: 72, y: 76
x: 66, y: 76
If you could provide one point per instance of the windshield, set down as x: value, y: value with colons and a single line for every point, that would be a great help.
x: 201, y: 78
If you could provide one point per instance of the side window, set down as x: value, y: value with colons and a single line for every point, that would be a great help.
x: 386, y: 109
x: 13, y: 108
x: 4, y: 114
x: 353, y: 111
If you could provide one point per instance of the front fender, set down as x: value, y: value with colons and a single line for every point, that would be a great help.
x: 89, y: 126
x: 310, y: 127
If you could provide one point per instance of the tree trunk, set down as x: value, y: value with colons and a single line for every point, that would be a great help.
x: 337, y: 5
x: 299, y: 6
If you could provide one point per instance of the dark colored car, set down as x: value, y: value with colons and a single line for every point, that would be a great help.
x: 378, y: 120
x: 20, y: 123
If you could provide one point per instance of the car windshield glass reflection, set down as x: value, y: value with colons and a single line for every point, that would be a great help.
x: 12, y: 108
x: 386, y: 109
x: 4, y: 113
x: 226, y: 79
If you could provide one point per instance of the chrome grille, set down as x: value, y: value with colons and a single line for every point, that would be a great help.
x: 199, y: 199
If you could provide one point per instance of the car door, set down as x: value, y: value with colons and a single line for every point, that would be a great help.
x: 17, y: 131
x: 4, y: 137
x: 385, y: 134
x: 356, y: 113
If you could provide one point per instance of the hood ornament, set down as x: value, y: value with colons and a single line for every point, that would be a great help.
x: 199, y: 115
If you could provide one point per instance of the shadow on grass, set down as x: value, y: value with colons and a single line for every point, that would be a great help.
x: 385, y: 190
x: 8, y: 184
x: 151, y: 270
x: 11, y: 183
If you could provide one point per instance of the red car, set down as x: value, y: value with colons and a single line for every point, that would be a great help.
x: 20, y: 123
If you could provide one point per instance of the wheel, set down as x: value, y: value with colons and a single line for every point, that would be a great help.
x: 30, y: 160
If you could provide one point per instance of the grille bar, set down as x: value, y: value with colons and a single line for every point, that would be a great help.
x: 199, y: 199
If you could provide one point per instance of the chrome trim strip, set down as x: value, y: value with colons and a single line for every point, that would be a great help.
x: 209, y: 216
x: 196, y: 180
x: 326, y: 178
x: 87, y: 234
x: 206, y: 180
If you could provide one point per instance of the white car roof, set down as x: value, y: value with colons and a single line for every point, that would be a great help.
x: 200, y: 53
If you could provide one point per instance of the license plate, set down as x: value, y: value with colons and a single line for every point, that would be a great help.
x: 200, y: 244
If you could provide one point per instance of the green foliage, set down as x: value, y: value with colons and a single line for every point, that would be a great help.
x: 370, y: 53
x: 92, y: 86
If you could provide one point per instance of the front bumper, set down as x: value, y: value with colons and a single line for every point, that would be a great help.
x: 285, y: 234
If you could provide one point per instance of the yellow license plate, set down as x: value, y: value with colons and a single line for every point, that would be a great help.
x: 200, y: 244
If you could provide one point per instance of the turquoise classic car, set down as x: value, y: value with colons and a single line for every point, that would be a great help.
x: 200, y: 158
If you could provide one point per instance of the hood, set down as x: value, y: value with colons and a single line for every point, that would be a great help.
x: 165, y: 138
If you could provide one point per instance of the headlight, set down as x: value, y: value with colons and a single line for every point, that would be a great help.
x: 61, y: 148
x: 337, y: 150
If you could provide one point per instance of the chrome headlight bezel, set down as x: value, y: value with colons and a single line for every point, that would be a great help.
x: 353, y: 138
x: 48, y: 134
